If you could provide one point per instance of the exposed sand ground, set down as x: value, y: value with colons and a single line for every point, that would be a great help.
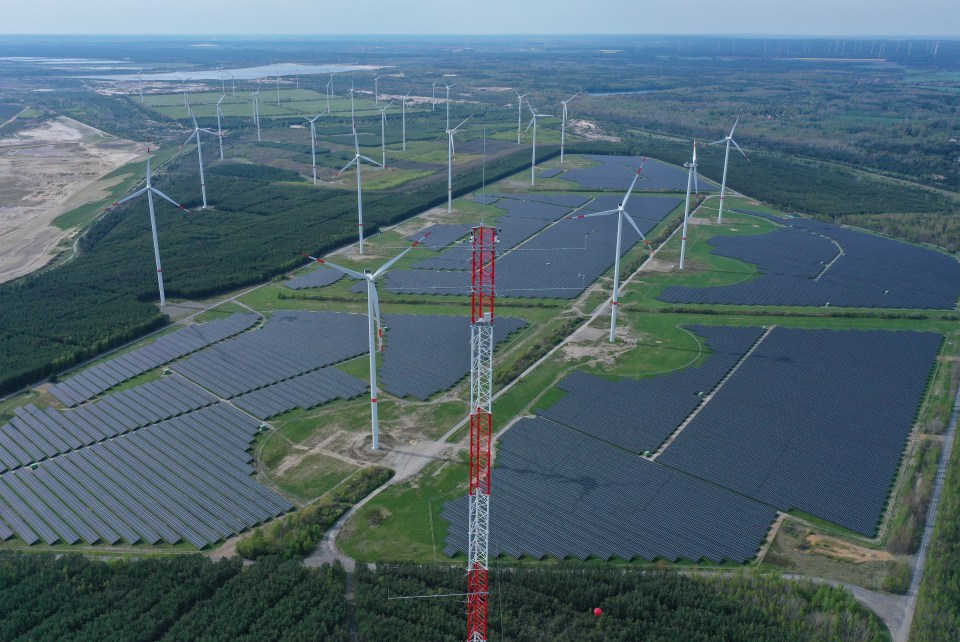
x: 45, y: 172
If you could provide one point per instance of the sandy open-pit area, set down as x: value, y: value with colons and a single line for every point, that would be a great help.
x: 47, y: 171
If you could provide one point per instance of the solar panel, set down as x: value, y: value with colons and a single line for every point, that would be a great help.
x: 616, y: 172
x: 303, y: 391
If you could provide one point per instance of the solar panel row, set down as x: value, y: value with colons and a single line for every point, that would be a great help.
x: 103, y: 376
x: 318, y: 278
x: 188, y: 478
x: 304, y: 391
x: 616, y: 172
x: 872, y: 272
x: 289, y: 343
x: 440, y: 235
x: 34, y: 434
x: 562, y: 494
x: 815, y: 420
x: 427, y: 354
x: 639, y: 414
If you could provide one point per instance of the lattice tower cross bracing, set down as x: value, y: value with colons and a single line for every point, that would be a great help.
x: 484, y: 244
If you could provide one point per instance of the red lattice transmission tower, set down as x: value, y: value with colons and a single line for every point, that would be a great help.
x: 484, y: 242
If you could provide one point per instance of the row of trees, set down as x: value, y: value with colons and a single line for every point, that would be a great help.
x: 557, y: 604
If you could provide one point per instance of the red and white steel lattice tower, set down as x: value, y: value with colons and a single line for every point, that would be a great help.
x: 484, y: 242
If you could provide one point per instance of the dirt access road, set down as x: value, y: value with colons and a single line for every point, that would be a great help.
x: 46, y: 171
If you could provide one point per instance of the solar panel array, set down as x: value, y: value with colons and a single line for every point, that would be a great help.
x: 318, y: 278
x: 289, y: 343
x: 186, y: 479
x: 304, y: 391
x: 560, y: 262
x: 34, y: 435
x: 427, y: 354
x: 872, y: 272
x: 562, y: 494
x: 616, y: 172
x: 639, y: 414
x: 440, y: 235
x: 815, y: 420
x: 104, y: 376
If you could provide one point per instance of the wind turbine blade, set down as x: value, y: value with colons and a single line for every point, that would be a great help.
x: 632, y: 184
x: 574, y: 96
x: 375, y: 299
x: 734, y: 128
x: 194, y: 117
x: 740, y: 150
x: 347, y: 271
x: 634, y: 224
x: 347, y: 166
x: 461, y: 124
x: 130, y: 197
x: 190, y: 138
x: 696, y: 185
x: 592, y: 214
x: 371, y: 161
x: 717, y: 142
x: 356, y: 140
x: 164, y: 196
x: 530, y: 107
x: 386, y: 266
x: 530, y: 124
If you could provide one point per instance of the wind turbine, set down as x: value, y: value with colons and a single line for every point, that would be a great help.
x: 351, y: 103
x: 448, y: 100
x: 383, y: 132
x: 219, y: 128
x: 196, y: 134
x: 376, y: 91
x: 223, y: 80
x: 726, y: 158
x: 533, y: 123
x: 374, y: 327
x: 150, y: 190
x: 329, y: 90
x: 433, y: 100
x: 186, y: 100
x: 691, y: 178
x: 256, y: 110
x: 403, y: 111
x: 450, y: 151
x: 140, y: 78
x: 356, y: 161
x: 520, y: 98
x: 563, y: 123
x: 622, y: 214
x: 233, y: 84
x: 313, y: 143
x: 278, y: 91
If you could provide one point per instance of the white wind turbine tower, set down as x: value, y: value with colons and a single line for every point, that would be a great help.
x: 256, y: 110
x: 186, y: 100
x: 520, y: 98
x: 403, y: 112
x: 691, y: 178
x: 533, y: 123
x: 356, y: 161
x: 450, y: 152
x: 140, y: 78
x: 374, y: 327
x: 233, y: 84
x: 621, y: 213
x: 313, y: 143
x: 351, y: 102
x: 278, y: 91
x: 223, y: 80
x: 196, y: 134
x: 433, y: 100
x: 726, y: 159
x: 220, y: 117
x: 150, y: 190
x: 383, y: 132
x: 448, y: 100
x: 563, y: 124
x: 376, y: 90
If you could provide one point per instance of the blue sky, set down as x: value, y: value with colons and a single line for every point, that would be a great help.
x: 733, y: 17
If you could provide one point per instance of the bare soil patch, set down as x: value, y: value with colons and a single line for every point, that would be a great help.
x: 49, y: 170
x: 593, y: 344
x: 844, y: 551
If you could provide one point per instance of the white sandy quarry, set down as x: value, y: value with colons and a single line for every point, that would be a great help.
x: 47, y: 171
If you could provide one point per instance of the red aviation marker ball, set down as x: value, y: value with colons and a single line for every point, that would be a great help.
x: 598, y: 611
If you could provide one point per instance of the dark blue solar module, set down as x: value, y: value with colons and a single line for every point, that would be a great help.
x: 304, y: 391
x: 318, y: 278
x: 616, y: 172
x: 561, y: 494
x: 639, y: 414
x: 104, y: 376
x: 289, y: 343
x: 560, y: 262
x: 814, y: 420
x: 440, y: 235
x: 442, y: 342
x: 188, y: 478
x: 871, y: 272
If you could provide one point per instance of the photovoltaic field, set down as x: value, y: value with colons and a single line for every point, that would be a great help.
x: 812, y: 263
x: 616, y: 172
x: 813, y: 420
x: 103, y: 376
x: 184, y: 479
x: 559, y: 493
